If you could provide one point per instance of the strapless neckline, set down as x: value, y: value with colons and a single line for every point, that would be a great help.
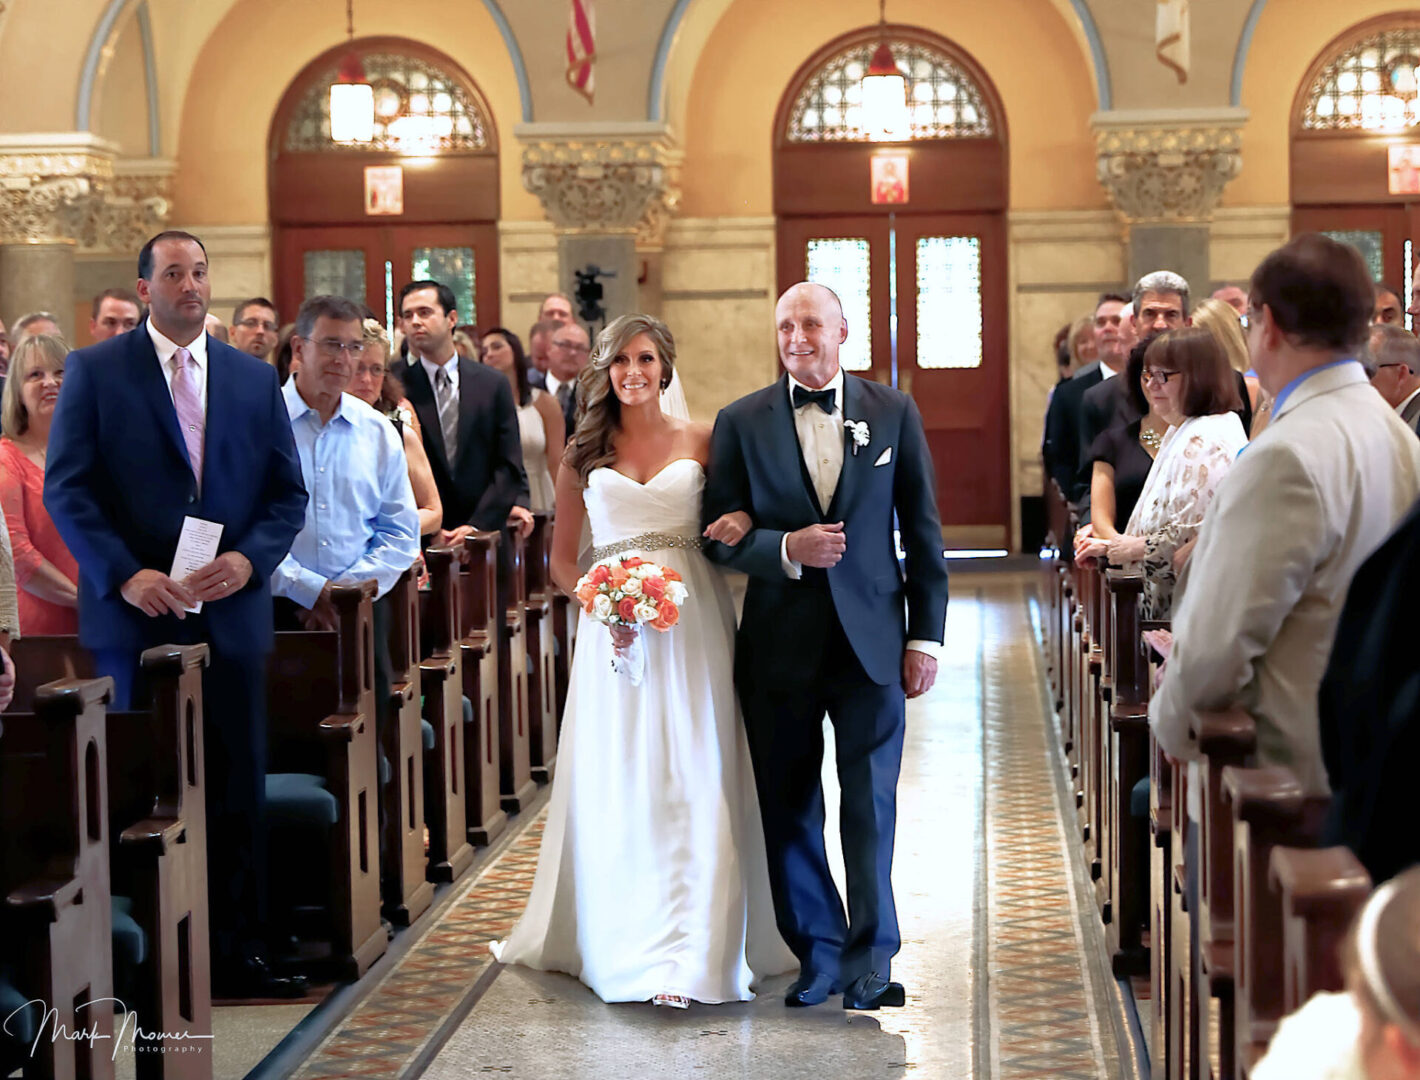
x: 654, y: 476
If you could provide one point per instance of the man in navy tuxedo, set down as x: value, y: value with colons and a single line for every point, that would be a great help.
x: 823, y: 462
x: 154, y: 426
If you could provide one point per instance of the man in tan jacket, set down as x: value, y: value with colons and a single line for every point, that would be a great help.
x: 1319, y: 490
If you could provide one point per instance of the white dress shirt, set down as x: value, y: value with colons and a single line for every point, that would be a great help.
x: 431, y: 368
x: 821, y: 438
x: 167, y: 348
x: 553, y: 382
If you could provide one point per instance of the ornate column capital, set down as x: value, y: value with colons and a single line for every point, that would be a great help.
x: 1167, y: 165
x: 72, y: 186
x: 613, y: 179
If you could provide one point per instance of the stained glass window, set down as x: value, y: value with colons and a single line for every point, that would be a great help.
x: 948, y: 302
x: 1372, y: 85
x: 1369, y: 244
x: 451, y: 266
x: 418, y: 109
x: 843, y: 265
x: 336, y: 273
x: 944, y: 101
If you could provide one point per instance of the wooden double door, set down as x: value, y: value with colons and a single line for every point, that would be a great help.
x: 925, y: 300
x: 372, y: 263
x: 1386, y: 234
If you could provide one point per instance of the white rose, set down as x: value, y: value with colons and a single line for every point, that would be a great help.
x: 602, y: 607
x: 676, y: 592
x: 646, y: 612
x: 644, y: 571
x: 632, y: 587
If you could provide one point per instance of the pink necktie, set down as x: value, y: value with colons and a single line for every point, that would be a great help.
x: 189, y: 408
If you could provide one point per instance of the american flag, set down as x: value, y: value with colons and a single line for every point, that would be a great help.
x: 581, y: 48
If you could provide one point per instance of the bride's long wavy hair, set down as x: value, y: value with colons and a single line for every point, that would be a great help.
x: 598, y: 409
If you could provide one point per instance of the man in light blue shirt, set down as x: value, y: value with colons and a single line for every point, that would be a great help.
x: 361, y: 521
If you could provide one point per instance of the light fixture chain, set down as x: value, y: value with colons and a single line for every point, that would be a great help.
x: 350, y: 19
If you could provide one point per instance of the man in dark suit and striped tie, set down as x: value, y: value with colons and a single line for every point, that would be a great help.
x: 567, y: 355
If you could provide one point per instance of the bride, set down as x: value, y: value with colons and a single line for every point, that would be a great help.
x: 652, y: 882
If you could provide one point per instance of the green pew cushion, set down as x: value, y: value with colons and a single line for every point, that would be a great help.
x: 300, y: 799
x: 427, y: 730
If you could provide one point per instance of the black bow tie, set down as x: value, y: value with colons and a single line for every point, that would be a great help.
x: 822, y: 398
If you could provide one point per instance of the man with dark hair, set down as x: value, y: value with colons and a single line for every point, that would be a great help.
x: 116, y: 311
x: 468, y: 421
x: 153, y: 428
x: 255, y: 327
x: 1389, y: 309
x: 361, y: 520
x: 539, y: 340
x: 1395, y: 370
x: 1062, y: 447
x: 1301, y: 509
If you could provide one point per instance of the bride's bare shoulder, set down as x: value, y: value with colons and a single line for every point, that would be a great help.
x: 696, y: 437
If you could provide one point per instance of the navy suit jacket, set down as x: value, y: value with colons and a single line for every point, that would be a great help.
x: 756, y: 465
x: 118, y: 485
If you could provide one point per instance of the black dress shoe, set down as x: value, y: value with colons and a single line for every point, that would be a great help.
x: 872, y: 991
x: 811, y: 989
x: 253, y: 978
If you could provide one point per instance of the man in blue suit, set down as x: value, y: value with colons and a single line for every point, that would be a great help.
x: 152, y: 427
x: 823, y: 462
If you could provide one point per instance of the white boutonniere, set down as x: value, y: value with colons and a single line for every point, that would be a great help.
x: 859, y: 430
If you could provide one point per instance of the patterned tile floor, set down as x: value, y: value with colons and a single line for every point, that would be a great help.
x: 997, y: 968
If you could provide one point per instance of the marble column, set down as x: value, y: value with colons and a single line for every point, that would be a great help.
x: 609, y: 194
x: 1165, y: 172
x: 63, y: 194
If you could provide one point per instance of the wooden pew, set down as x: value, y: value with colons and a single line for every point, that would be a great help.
x: 541, y: 650
x: 1268, y: 811
x: 321, y: 712
x: 1322, y: 890
x: 157, y: 816
x: 56, y: 922
x: 515, y: 765
x: 1128, y: 736
x: 480, y: 626
x: 1225, y: 738
x: 405, y: 886
x: 446, y: 804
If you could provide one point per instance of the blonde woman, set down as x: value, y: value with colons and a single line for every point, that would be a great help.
x: 1221, y: 320
x: 375, y: 384
x: 654, y: 779
x: 46, y: 572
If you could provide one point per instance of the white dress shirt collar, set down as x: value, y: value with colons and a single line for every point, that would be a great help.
x: 431, y: 368
x: 166, y: 347
x: 1408, y: 399
x: 1107, y: 372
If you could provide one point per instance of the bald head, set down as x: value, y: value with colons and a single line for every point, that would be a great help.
x: 811, y: 327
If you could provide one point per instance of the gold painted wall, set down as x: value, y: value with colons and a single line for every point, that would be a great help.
x: 755, y: 49
x: 1289, y: 36
x: 41, y: 56
x: 121, y: 111
x: 229, y: 103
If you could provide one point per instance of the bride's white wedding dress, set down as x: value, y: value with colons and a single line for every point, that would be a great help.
x: 652, y: 876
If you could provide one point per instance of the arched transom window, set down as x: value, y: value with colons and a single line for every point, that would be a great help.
x: 1371, y: 85
x: 418, y: 109
x: 944, y: 100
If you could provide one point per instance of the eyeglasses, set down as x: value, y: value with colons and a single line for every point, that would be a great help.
x: 1156, y: 375
x: 334, y: 347
x: 572, y: 346
x: 258, y: 324
x: 375, y: 370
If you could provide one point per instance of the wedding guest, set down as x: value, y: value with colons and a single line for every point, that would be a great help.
x: 567, y: 356
x: 466, y: 342
x: 1122, y: 456
x: 1190, y: 388
x: 1082, y: 343
x: 539, y: 338
x: 1388, y: 310
x: 555, y: 309
x: 217, y: 329
x: 1221, y: 320
x: 116, y: 311
x: 540, y: 421
x: 1395, y: 357
x: 46, y: 573
x: 1235, y: 296
x: 9, y: 616
x: 1301, y: 510
x: 256, y: 327
x: 36, y: 322
x: 376, y: 385
x: 281, y: 354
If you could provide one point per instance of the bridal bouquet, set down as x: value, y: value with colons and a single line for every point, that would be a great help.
x: 630, y: 591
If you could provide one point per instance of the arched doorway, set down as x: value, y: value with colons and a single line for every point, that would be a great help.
x: 418, y: 201
x: 1355, y: 146
x: 911, y: 234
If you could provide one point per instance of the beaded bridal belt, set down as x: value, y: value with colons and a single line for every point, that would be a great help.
x: 646, y: 542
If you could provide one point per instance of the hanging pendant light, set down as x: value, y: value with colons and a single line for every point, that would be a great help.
x: 885, y: 114
x: 352, y: 98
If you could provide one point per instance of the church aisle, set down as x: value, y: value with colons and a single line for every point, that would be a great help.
x: 993, y: 956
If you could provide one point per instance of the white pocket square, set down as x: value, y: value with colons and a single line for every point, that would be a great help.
x: 883, y: 458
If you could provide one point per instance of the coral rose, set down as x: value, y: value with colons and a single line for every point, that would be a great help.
x: 585, y: 595
x: 671, y: 575
x: 632, y: 561
x: 669, y: 616
x: 627, y: 610
x: 600, y: 575
x: 655, y: 588
x: 618, y: 577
